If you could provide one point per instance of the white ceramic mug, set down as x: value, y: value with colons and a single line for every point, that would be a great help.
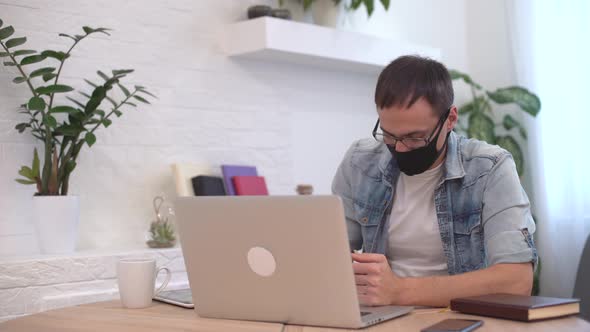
x: 137, y: 280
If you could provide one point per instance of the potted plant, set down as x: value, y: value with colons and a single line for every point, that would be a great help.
x: 332, y: 13
x: 479, y: 118
x: 63, y: 125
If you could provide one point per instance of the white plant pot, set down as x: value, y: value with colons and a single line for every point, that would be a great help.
x: 56, y: 220
x: 326, y: 13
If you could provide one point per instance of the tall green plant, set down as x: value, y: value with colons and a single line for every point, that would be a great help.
x: 62, y: 139
x: 479, y: 117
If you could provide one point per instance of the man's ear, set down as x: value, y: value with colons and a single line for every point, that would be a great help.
x: 453, y: 118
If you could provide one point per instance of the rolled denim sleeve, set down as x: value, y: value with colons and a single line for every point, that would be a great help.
x: 508, y: 224
x: 341, y: 187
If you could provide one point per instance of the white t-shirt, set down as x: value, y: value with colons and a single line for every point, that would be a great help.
x: 415, y: 247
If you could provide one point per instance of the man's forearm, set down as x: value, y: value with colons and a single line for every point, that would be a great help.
x: 439, y: 290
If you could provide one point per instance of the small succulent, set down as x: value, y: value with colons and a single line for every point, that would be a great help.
x: 162, y: 234
x: 161, y: 229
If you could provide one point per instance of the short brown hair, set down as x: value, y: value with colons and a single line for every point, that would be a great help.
x: 409, y: 78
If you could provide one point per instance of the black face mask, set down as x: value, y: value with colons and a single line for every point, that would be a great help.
x: 419, y: 160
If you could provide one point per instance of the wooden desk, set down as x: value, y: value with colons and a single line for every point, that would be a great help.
x: 421, y: 318
x: 111, y: 317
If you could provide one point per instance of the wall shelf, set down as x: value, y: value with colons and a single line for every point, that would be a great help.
x: 272, y: 39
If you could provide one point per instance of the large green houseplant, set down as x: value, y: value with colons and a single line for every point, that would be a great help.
x: 480, y: 118
x: 63, y: 125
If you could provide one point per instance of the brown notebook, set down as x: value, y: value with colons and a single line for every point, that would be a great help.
x: 516, y: 307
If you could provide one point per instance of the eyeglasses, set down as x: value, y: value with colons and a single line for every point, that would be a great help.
x: 411, y: 143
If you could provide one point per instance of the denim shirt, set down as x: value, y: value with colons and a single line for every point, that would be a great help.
x: 483, y: 212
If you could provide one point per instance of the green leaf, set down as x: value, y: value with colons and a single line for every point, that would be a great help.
x: 32, y: 59
x: 106, y: 123
x: 55, y: 88
x: 4, y: 54
x: 385, y: 4
x: 36, y: 163
x: 130, y: 103
x: 70, y: 130
x: 455, y: 74
x: 522, y: 132
x: 141, y: 99
x: 84, y: 94
x: 41, y: 71
x: 355, y: 4
x: 90, y: 138
x: 48, y: 77
x: 122, y: 72
x: 509, y: 122
x: 92, y: 84
x: 111, y: 100
x: 118, y: 113
x: 143, y: 90
x: 63, y: 109
x: 93, y: 121
x: 9, y: 63
x: 14, y: 42
x: 21, y: 181
x: 97, y: 97
x: 370, y: 6
x: 6, y: 32
x: 101, y: 113
x: 103, y: 75
x: 510, y: 144
x: 90, y: 30
x: 58, y: 55
x: 18, y: 80
x: 124, y: 89
x: 1, y: 23
x: 21, y: 127
x: 50, y: 121
x: 36, y: 104
x: 528, y: 102
x: 67, y: 36
x: 481, y: 127
x: 23, y: 52
x: 76, y: 102
x: 26, y: 172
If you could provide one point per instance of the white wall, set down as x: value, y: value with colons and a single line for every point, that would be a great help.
x: 292, y: 121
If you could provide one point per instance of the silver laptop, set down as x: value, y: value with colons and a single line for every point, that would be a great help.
x: 273, y: 258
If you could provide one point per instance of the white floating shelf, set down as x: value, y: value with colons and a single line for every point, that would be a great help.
x: 273, y: 39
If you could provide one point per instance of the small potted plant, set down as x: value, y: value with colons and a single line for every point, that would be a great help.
x: 63, y: 125
x: 331, y: 13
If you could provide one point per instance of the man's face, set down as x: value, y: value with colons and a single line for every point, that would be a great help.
x: 418, y: 121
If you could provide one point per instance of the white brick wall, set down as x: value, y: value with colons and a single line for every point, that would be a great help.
x: 293, y: 122
x: 32, y: 285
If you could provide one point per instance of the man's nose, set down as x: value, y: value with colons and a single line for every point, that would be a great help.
x: 400, y: 147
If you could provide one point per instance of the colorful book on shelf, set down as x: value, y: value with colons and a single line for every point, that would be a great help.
x: 204, y: 185
x: 229, y: 171
x: 250, y: 185
x: 516, y: 307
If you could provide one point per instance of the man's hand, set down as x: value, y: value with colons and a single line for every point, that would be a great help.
x: 376, y: 283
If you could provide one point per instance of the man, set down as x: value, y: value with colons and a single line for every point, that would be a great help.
x: 437, y: 216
